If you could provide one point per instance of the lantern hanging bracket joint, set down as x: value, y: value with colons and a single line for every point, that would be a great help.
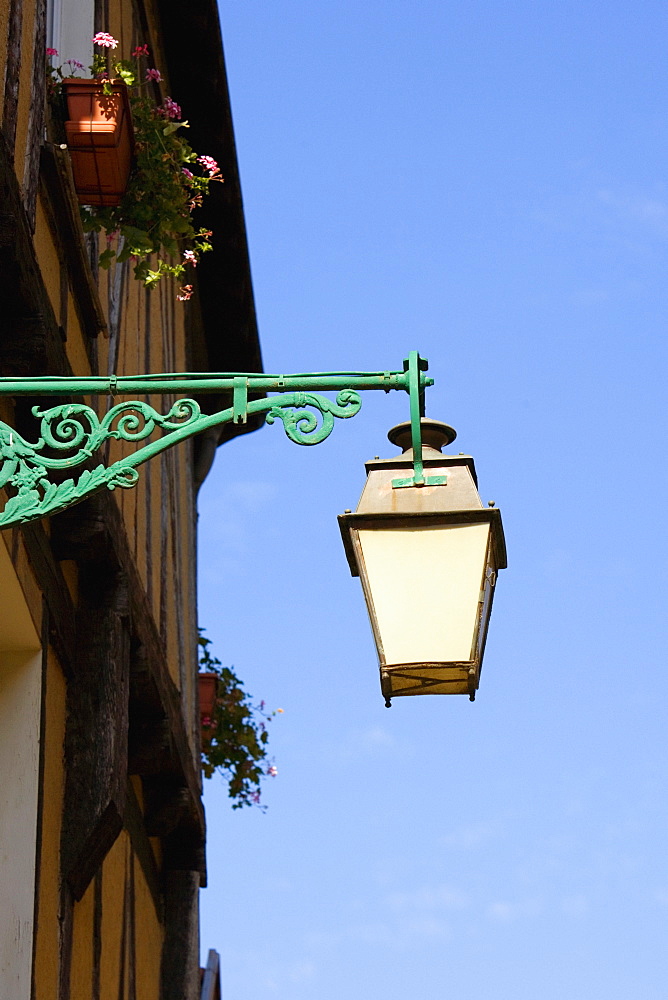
x: 415, y: 366
x: 240, y: 400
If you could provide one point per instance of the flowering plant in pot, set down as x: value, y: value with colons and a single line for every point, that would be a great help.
x: 234, y: 731
x: 152, y: 222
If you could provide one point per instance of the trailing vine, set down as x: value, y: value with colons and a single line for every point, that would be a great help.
x: 235, y: 737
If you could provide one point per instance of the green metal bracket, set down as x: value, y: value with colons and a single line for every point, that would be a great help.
x: 71, y: 433
x: 414, y: 366
x: 240, y: 400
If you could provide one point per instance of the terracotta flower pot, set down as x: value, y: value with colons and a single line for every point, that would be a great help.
x: 100, y: 140
x: 208, y: 683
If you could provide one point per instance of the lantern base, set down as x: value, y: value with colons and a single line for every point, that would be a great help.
x: 402, y: 679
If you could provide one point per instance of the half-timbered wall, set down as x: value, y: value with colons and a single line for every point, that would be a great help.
x: 101, y: 822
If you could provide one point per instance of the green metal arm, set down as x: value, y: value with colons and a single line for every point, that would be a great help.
x: 70, y: 433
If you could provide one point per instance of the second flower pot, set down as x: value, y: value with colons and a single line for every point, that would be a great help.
x: 208, y: 687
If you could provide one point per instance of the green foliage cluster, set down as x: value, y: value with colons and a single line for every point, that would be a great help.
x: 235, y: 738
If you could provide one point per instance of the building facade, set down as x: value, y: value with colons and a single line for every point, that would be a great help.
x: 102, y: 831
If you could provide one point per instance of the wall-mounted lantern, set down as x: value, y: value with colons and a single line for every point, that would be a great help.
x: 427, y: 554
x: 426, y: 549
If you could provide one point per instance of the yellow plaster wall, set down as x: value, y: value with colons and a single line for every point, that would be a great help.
x: 113, y: 916
x: 70, y: 571
x: 20, y: 706
x: 21, y: 623
x: 47, y: 258
x: 130, y: 932
x: 74, y: 345
x: 120, y: 26
x: 81, y: 968
x: 47, y: 932
x: 148, y: 940
x: 120, y: 915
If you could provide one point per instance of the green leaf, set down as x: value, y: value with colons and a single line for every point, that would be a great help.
x: 105, y: 258
x: 126, y: 74
x: 136, y: 240
x: 181, y: 225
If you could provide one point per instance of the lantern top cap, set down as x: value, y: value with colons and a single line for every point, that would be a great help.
x: 435, y: 434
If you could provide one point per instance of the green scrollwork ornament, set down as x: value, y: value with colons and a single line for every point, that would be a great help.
x: 303, y: 428
x: 76, y: 428
x: 72, y: 433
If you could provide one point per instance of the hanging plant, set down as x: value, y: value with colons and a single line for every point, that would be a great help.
x: 234, y: 731
x: 153, y: 223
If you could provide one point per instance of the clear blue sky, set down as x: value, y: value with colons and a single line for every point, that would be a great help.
x: 485, y: 182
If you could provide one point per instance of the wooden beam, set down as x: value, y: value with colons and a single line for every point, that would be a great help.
x: 179, y: 974
x: 36, y: 114
x: 12, y: 72
x: 96, y: 751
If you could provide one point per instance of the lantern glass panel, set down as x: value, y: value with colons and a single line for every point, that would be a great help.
x: 425, y: 584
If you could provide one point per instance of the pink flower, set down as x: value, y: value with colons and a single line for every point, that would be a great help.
x: 170, y: 109
x: 52, y: 52
x: 153, y: 74
x: 75, y: 64
x: 188, y: 173
x: 186, y: 293
x: 105, y: 40
x: 141, y: 50
x: 190, y: 257
x: 272, y: 770
x: 209, y: 164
